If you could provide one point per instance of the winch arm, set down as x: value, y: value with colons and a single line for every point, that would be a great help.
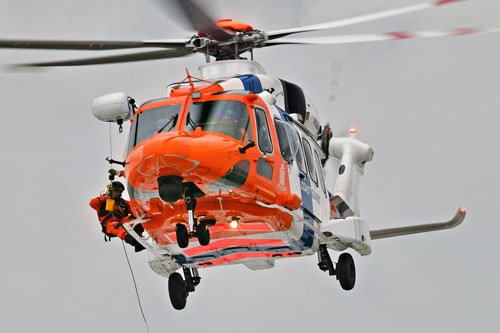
x: 415, y: 229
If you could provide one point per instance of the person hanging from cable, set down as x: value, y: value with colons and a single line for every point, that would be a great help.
x: 113, y: 211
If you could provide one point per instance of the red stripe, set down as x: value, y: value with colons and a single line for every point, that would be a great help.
x: 225, y: 227
x: 245, y: 255
x: 400, y: 35
x: 463, y: 31
x: 241, y: 227
x: 225, y: 243
x: 444, y: 2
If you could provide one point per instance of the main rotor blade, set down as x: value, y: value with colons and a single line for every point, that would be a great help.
x: 201, y: 21
x: 163, y: 54
x: 346, y: 39
x: 359, y: 19
x: 90, y: 45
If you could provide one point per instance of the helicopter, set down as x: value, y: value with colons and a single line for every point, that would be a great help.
x: 209, y: 195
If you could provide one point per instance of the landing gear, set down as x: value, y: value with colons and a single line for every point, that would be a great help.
x: 179, y: 288
x: 203, y: 233
x: 182, y: 235
x: 325, y: 262
x: 196, y: 230
x: 177, y: 291
x: 345, y: 270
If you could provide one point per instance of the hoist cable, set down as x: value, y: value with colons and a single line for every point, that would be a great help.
x: 135, y: 286
x: 110, y: 143
x: 123, y: 245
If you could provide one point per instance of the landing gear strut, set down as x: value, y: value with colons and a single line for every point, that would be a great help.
x: 179, y: 288
x: 196, y: 230
x: 345, y: 270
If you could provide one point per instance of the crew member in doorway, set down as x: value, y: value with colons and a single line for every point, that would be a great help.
x: 113, y: 211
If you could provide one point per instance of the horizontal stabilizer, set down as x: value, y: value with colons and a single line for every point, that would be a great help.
x: 415, y: 229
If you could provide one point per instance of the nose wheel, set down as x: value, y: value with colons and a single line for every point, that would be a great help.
x: 179, y: 288
x: 196, y: 230
x: 201, y: 232
x: 345, y: 270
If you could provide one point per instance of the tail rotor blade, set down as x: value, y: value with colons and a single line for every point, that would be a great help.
x: 359, y: 19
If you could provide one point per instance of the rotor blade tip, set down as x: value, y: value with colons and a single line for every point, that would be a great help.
x: 22, y: 68
x: 445, y: 2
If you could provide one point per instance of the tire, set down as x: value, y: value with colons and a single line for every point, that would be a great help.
x: 346, y: 271
x: 182, y: 235
x: 177, y: 291
x: 203, y: 233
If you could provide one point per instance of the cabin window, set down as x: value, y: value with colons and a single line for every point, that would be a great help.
x: 320, y: 172
x: 223, y: 116
x: 300, y: 156
x: 263, y: 134
x: 288, y: 139
x: 159, y: 119
x: 310, y: 161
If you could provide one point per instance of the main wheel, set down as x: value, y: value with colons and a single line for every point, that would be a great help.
x: 346, y: 271
x: 203, y: 233
x: 182, y: 235
x: 177, y: 291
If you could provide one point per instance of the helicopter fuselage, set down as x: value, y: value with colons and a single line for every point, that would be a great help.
x: 258, y: 168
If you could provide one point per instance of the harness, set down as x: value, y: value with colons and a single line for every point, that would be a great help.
x: 120, y: 211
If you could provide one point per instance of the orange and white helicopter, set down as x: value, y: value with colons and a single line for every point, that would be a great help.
x: 228, y: 168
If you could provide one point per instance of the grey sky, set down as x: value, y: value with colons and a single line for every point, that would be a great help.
x: 429, y: 108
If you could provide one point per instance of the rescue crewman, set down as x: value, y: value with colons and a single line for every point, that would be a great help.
x: 113, y: 211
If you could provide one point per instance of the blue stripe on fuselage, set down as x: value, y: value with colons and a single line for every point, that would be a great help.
x: 183, y: 259
x: 306, y: 241
x: 251, y: 82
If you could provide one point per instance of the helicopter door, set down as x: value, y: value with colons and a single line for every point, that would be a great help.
x: 311, y: 183
x: 265, y: 144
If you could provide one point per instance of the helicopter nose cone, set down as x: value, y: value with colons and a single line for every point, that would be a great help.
x: 189, y: 156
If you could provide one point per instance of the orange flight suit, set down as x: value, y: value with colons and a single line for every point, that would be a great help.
x: 111, y: 222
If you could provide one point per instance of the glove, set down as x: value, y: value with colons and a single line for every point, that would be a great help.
x: 139, y: 229
x: 130, y: 240
x: 138, y: 247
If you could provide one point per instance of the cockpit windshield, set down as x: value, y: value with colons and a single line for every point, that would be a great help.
x: 160, y: 119
x: 221, y: 116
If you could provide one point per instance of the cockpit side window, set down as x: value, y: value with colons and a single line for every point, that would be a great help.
x: 263, y: 134
x: 221, y: 116
x: 147, y: 122
x: 310, y: 161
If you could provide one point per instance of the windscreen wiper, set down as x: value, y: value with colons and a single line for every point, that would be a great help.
x: 191, y: 122
x: 168, y: 122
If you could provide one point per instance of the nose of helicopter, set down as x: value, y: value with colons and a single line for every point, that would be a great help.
x: 198, y: 157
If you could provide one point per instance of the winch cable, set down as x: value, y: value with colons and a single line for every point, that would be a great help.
x: 135, y: 286
x: 110, y: 143
x: 123, y: 245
